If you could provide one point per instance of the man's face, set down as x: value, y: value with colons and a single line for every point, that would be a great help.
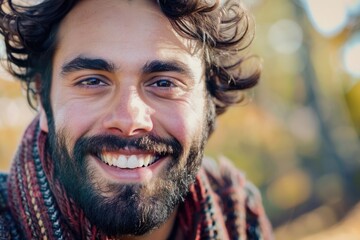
x: 129, y: 113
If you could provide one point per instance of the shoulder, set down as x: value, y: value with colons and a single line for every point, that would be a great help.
x: 238, y: 197
x: 224, y: 176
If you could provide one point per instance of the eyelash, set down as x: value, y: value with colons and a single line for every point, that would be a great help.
x: 169, y: 83
x: 164, y: 87
x: 89, y: 82
x: 98, y: 80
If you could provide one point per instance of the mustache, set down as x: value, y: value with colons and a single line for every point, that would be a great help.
x: 111, y: 143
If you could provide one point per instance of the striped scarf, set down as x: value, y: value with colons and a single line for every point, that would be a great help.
x: 220, y: 204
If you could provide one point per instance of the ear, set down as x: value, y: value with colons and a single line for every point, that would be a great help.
x: 42, y: 115
x: 43, y: 119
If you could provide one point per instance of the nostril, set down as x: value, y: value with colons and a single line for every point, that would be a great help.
x: 130, y: 120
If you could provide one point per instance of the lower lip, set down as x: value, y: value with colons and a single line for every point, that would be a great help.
x: 135, y: 175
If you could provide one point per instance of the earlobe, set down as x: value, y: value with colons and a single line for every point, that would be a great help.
x: 43, y: 119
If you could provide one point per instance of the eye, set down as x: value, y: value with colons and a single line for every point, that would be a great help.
x: 163, y: 83
x: 92, y: 82
x: 166, y: 87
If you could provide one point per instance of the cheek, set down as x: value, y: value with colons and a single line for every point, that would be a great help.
x: 76, y: 118
x: 183, y: 121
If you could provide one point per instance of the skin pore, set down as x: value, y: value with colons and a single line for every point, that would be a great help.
x: 129, y: 112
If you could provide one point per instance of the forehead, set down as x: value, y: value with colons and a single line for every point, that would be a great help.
x: 122, y: 13
x: 117, y: 28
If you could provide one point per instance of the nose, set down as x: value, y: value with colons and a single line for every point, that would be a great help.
x: 129, y: 115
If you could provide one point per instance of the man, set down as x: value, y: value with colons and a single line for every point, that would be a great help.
x: 128, y: 94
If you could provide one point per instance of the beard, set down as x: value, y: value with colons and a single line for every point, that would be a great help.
x: 125, y: 209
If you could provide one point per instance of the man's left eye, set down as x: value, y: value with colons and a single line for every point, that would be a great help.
x: 91, y: 82
x: 163, y: 83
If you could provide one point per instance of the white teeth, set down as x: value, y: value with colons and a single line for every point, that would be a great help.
x: 147, y: 160
x: 121, y: 162
x: 108, y: 159
x: 152, y: 160
x: 133, y: 161
x: 140, y: 161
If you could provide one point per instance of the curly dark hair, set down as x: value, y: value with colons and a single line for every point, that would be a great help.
x: 223, y: 27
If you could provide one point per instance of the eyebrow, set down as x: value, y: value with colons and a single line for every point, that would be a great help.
x: 85, y: 63
x: 167, y: 66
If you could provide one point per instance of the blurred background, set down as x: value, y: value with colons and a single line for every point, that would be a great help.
x: 298, y: 137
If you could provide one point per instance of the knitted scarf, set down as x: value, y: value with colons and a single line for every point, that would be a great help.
x: 215, y: 208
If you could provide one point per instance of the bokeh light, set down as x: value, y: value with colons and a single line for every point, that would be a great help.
x: 285, y: 36
x: 283, y: 192
x: 351, y: 56
x: 329, y: 17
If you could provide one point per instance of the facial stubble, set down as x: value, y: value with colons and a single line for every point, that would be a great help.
x: 124, y: 209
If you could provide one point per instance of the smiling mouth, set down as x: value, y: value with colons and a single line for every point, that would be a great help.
x: 130, y: 161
